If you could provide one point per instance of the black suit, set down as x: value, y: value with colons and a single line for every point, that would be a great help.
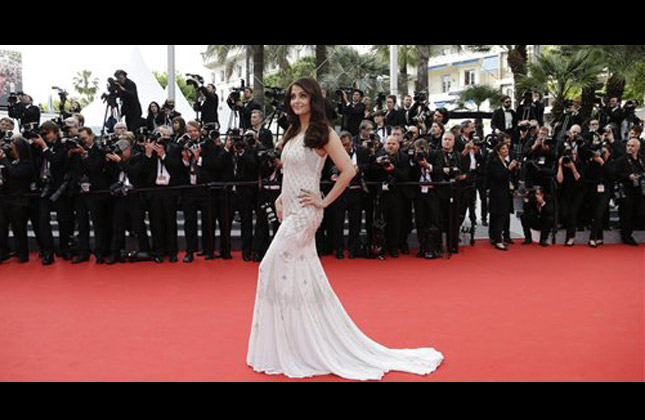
x: 353, y: 202
x: 498, y: 121
x: 209, y: 106
x: 247, y: 110
x: 130, y: 208
x: 538, y: 217
x: 632, y: 207
x: 93, y: 177
x: 396, y: 118
x: 353, y: 114
x: 238, y: 168
x: 17, y: 176
x: 27, y: 114
x: 501, y: 199
x: 391, y: 197
x: 427, y: 209
x: 131, y: 108
x: 453, y: 161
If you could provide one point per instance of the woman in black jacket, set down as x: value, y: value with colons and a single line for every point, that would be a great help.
x: 601, y: 178
x: 17, y: 175
x: 155, y: 116
x: 500, y: 199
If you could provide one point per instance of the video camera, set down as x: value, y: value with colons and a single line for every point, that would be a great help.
x: 349, y: 91
x: 420, y: 97
x: 194, y: 80
x: 13, y: 97
x: 235, y: 96
x: 112, y: 92
x: 276, y: 95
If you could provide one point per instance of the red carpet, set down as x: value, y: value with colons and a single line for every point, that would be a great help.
x: 531, y: 314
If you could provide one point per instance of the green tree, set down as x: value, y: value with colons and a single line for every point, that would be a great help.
x: 188, y: 91
x: 517, y: 60
x: 85, y: 86
x: 408, y: 56
x: 348, y: 68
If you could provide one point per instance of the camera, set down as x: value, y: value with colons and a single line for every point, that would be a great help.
x: 384, y: 160
x: 119, y: 189
x: 524, y: 127
x: 348, y: 90
x: 235, y: 96
x: 276, y: 94
x: 194, y: 80
x: 13, y: 97
x: 420, y: 97
x: 212, y: 130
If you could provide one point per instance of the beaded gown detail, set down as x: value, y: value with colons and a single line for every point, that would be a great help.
x: 300, y: 328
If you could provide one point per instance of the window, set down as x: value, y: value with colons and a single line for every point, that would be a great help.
x: 221, y: 75
x: 446, y: 82
x: 239, y: 70
x: 469, y: 78
x: 446, y: 51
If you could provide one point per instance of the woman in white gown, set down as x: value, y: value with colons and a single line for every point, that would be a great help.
x: 300, y: 328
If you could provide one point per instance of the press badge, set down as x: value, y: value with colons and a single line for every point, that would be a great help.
x: 386, y: 187
x: 85, y: 187
x: 542, y: 161
x: 601, y: 188
x: 425, y: 189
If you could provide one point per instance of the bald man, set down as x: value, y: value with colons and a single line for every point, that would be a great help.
x: 631, y: 173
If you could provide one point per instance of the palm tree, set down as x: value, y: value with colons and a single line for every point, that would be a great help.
x: 348, y: 68
x: 322, y: 64
x: 480, y: 94
x: 517, y: 61
x: 562, y: 76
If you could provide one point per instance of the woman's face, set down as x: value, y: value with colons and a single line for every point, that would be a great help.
x: 154, y: 108
x: 503, y: 151
x: 176, y: 125
x: 300, y: 101
x: 436, y: 130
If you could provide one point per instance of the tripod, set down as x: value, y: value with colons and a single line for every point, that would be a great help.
x: 277, y: 110
x: 109, y: 105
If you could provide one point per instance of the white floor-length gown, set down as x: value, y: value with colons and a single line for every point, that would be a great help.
x: 300, y: 328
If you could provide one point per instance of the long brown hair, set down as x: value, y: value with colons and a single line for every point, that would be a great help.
x: 317, y: 134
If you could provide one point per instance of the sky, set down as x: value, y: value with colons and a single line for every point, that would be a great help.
x: 44, y: 66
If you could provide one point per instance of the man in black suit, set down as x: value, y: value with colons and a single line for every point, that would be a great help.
x: 128, y: 170
x: 264, y: 135
x: 247, y: 107
x: 505, y: 119
x: 209, y: 106
x: 93, y: 177
x: 631, y: 170
x: 25, y: 111
x: 130, y: 108
x: 539, y: 215
x: 353, y: 112
x: 393, y: 115
x: 238, y: 163
x: 353, y: 200
x: 390, y: 168
x: 612, y: 114
x: 203, y: 169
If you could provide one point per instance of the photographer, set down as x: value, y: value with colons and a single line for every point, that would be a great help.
x: 264, y: 135
x: 612, y: 114
x: 56, y: 171
x: 128, y: 171
x: 540, y: 161
x: 271, y: 183
x: 528, y: 109
x: 570, y: 117
x: 247, y: 107
x: 353, y: 112
x: 16, y: 174
x: 390, y: 168
x: 203, y: 169
x: 600, y: 181
x: 365, y: 133
x: 631, y: 170
x: 448, y: 165
x: 538, y: 214
x: 473, y: 156
x: 238, y: 163
x: 6, y: 128
x: 501, y: 198
x: 209, y: 105
x: 426, y: 201
x: 393, y: 115
x: 571, y: 191
x: 126, y: 90
x: 353, y: 201
x: 434, y: 137
x: 92, y: 177
x: 504, y: 119
x: 169, y: 171
x: 631, y: 121
x: 24, y: 111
